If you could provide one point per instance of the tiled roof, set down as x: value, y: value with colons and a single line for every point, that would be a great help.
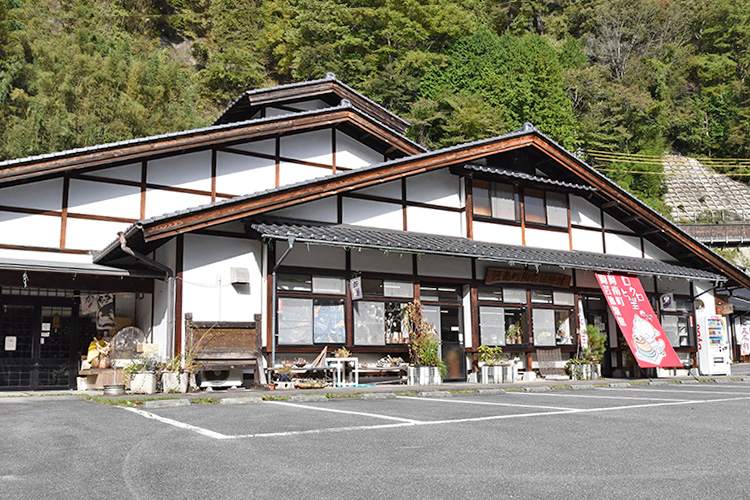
x: 359, y: 237
x: 513, y: 174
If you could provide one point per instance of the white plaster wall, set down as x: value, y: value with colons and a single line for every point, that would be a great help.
x: 315, y: 256
x: 351, y: 153
x: 466, y: 319
x: 125, y: 305
x: 628, y: 246
x: 142, y: 318
x: 189, y: 171
x: 651, y: 251
x: 584, y: 213
x: 372, y: 213
x: 427, y: 220
x: 497, y: 233
x: 390, y: 189
x: 612, y: 223
x: 585, y: 240
x: 32, y: 230
x: 312, y: 146
x: 160, y: 202
x: 84, y: 234
x: 438, y: 188
x: 130, y: 172
x: 709, y: 301
x: 159, y: 326
x: 206, y: 288
x: 377, y: 261
x: 324, y: 210
x: 6, y: 253
x: 292, y: 173
x: 238, y: 174
x: 41, y: 195
x: 444, y: 266
x: 99, y: 198
x: 266, y: 146
x: 540, y: 238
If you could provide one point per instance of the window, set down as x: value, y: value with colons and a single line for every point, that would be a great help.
x: 533, y: 206
x: 552, y: 327
x: 431, y: 293
x: 502, y: 325
x: 679, y: 325
x: 311, y: 309
x: 492, y: 199
x: 380, y: 322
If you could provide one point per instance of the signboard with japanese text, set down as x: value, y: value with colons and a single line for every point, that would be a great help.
x: 638, y: 322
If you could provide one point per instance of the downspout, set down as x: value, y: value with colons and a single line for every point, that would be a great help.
x: 170, y: 288
x: 274, y: 310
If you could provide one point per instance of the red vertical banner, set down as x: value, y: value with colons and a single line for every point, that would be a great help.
x: 637, y: 320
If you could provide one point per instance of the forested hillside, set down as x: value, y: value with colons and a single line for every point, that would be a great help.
x: 626, y: 76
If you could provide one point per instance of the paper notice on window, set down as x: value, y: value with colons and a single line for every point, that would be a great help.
x: 10, y: 343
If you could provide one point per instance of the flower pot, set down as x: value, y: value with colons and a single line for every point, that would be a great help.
x: 498, y: 374
x: 143, y: 383
x: 424, y: 375
x: 585, y: 371
x: 172, y: 382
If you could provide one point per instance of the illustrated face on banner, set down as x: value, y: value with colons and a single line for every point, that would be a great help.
x: 648, y: 347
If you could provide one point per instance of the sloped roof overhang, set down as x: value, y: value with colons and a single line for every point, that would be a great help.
x: 123, y: 152
x: 409, y: 242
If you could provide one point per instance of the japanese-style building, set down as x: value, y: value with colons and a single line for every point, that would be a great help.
x: 297, y: 191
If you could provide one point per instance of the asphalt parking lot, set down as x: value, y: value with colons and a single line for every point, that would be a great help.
x: 666, y: 441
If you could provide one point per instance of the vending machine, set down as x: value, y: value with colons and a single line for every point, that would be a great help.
x: 713, y: 346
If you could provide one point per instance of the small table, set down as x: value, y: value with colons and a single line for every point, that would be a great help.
x: 342, y: 377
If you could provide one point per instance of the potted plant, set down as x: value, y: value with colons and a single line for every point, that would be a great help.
x: 494, y: 367
x: 142, y: 374
x: 424, y: 349
x: 588, y: 366
x: 514, y: 334
x: 175, y: 373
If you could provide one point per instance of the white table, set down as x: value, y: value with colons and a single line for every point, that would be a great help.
x: 341, y: 376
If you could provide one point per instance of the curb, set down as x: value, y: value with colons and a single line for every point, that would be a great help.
x: 435, y: 394
x: 378, y: 395
x: 241, y: 401
x: 309, y: 398
x: 165, y: 403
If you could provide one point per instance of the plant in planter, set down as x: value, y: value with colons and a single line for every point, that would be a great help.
x: 588, y: 366
x: 175, y: 373
x: 514, y: 334
x: 284, y: 374
x: 342, y: 352
x: 495, y: 368
x: 142, y: 374
x: 424, y: 348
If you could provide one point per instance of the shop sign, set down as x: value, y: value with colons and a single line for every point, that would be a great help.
x: 743, y: 338
x: 498, y: 275
x: 355, y: 286
x: 582, y: 325
x: 724, y: 309
x: 636, y: 318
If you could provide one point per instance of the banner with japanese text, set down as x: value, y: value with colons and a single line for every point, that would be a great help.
x: 638, y: 322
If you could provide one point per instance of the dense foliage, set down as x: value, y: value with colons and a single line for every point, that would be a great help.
x: 635, y: 76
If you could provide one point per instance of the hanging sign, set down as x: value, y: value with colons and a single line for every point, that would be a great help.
x: 355, y: 286
x: 582, y: 326
x: 638, y: 322
x: 497, y: 275
x: 743, y: 338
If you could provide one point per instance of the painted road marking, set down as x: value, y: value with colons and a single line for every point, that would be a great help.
x: 690, y: 391
x: 319, y: 408
x: 595, y: 397
x: 462, y: 401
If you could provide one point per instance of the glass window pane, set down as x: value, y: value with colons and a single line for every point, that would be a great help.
x: 428, y: 293
x: 543, y: 326
x: 372, y: 287
x: 294, y: 282
x: 398, y: 289
x: 557, y: 209
x: 295, y: 321
x: 395, y: 328
x: 670, y: 326
x: 431, y: 314
x: 515, y: 326
x: 563, y: 298
x: 480, y: 198
x: 329, y: 326
x: 514, y: 295
x: 504, y: 202
x: 563, y: 325
x: 541, y: 296
x: 533, y: 205
x: 492, y: 325
x: 490, y: 294
x: 369, y: 323
x: 327, y: 284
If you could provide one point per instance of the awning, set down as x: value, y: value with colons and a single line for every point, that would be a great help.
x: 409, y: 242
x: 638, y: 322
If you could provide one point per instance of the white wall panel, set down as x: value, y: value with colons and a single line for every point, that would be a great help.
x: 312, y: 146
x: 165, y: 255
x: 583, y: 213
x: 130, y: 172
x: 372, y: 213
x: 585, y: 240
x: 612, y: 223
x: 6, y: 253
x: 438, y: 188
x: 292, y: 173
x: 324, y: 210
x: 552, y: 240
x: 143, y: 314
x: 315, y: 256
x: 160, y: 202
x: 238, y: 174
x: 443, y: 266
x: 266, y: 146
x: 41, y: 195
x: 206, y: 288
x: 351, y: 153
x: 84, y: 234
x: 628, y: 246
x: 390, y: 190
x: 99, y: 198
x: 377, y: 261
x: 651, y: 251
x: 497, y: 233
x: 189, y: 171
x: 32, y: 230
x: 427, y: 220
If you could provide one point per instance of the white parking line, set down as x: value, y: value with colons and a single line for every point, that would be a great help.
x: 177, y: 423
x: 319, y: 408
x: 552, y: 394
x: 463, y: 401
x: 688, y: 391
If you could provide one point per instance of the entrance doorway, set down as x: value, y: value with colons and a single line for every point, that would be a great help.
x: 446, y: 315
x: 40, y: 344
